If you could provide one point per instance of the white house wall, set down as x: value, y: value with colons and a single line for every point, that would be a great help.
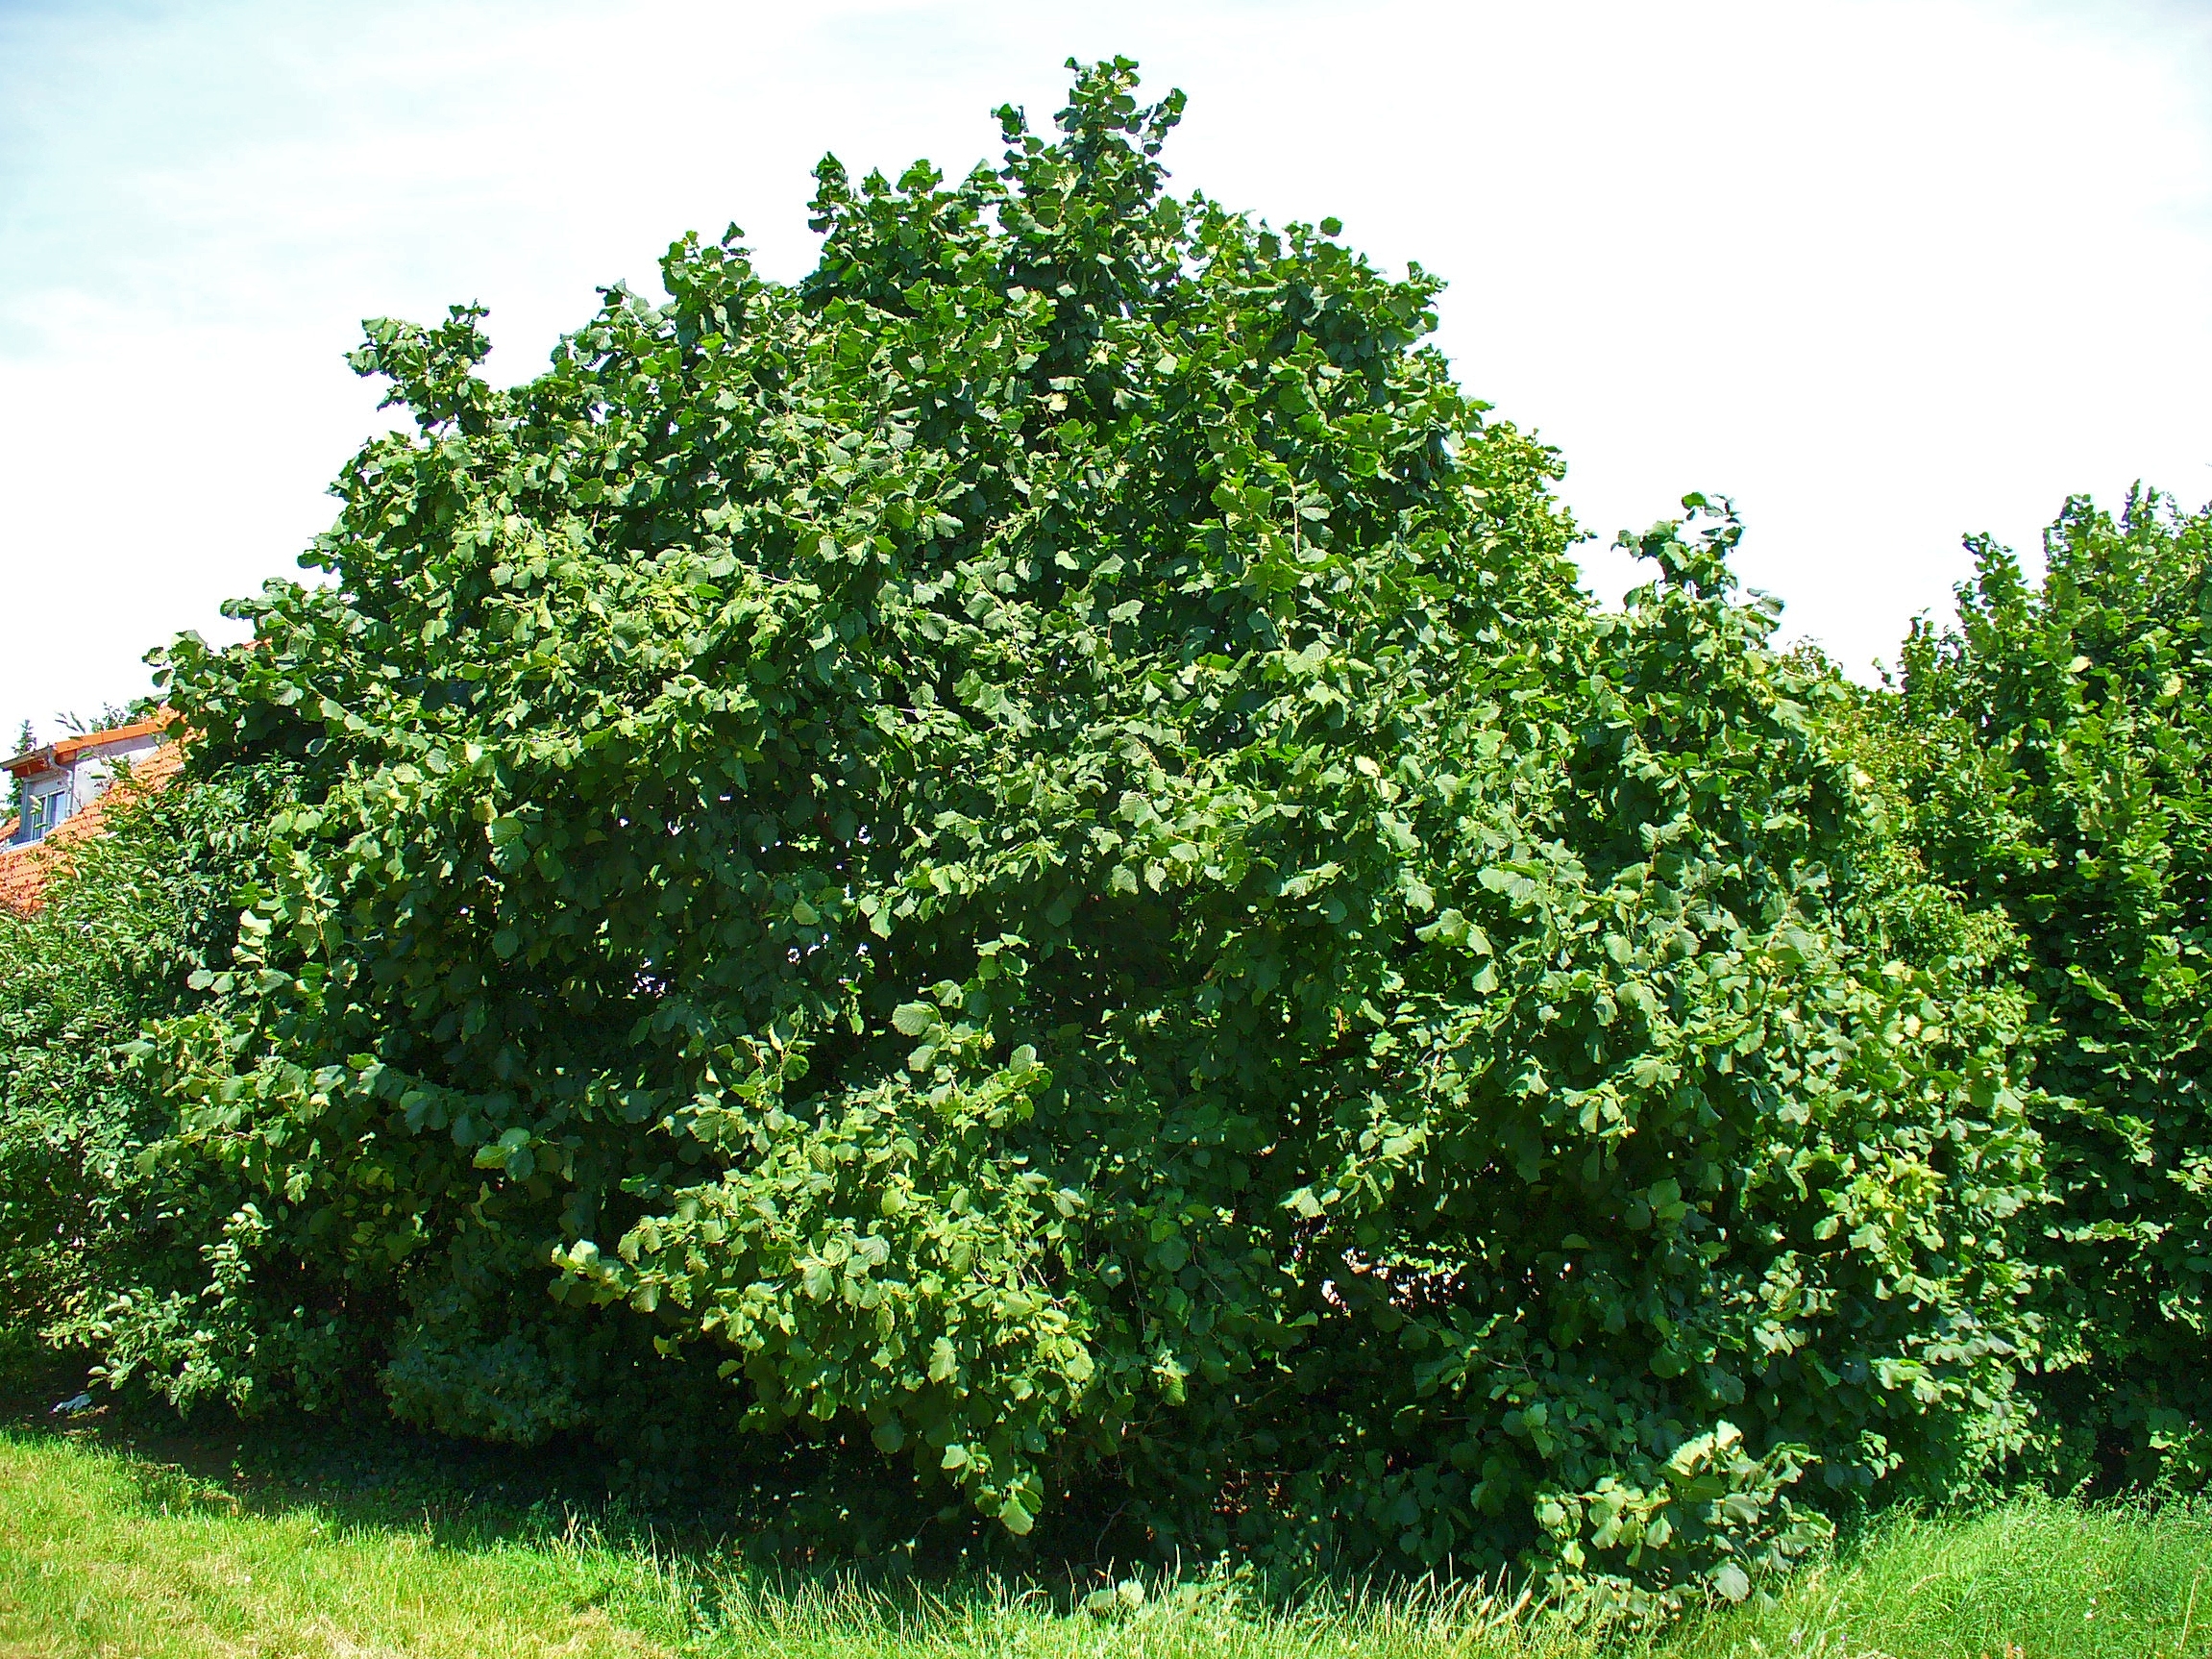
x: 89, y: 774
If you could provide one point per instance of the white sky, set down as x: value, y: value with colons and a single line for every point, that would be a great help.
x: 1885, y: 270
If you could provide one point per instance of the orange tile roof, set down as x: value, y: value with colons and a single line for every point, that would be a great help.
x: 63, y: 751
x: 69, y: 748
x: 26, y: 872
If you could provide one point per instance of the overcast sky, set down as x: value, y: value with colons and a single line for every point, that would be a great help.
x: 1887, y: 271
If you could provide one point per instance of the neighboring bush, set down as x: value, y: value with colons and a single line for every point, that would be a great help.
x: 84, y: 1220
x: 1027, y: 851
x: 2062, y: 749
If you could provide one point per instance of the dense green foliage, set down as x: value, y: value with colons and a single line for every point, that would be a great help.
x: 1022, y: 862
x: 2061, y: 761
x: 86, y: 1219
x: 1027, y: 849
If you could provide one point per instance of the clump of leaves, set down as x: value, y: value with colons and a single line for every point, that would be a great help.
x: 2061, y: 745
x: 1026, y: 849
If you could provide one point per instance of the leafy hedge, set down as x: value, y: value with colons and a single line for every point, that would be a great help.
x: 86, y: 1219
x: 2061, y: 750
x: 1023, y: 859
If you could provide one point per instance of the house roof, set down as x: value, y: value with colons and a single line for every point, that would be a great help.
x: 27, y: 870
x: 66, y: 750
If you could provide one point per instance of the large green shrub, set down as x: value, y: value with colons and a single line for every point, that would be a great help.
x: 1026, y: 849
x: 2062, y: 749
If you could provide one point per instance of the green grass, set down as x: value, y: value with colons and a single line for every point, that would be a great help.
x: 109, y: 1552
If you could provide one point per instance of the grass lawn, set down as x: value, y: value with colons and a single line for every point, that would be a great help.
x: 110, y: 1552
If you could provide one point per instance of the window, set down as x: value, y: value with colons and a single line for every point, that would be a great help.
x: 46, y: 810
